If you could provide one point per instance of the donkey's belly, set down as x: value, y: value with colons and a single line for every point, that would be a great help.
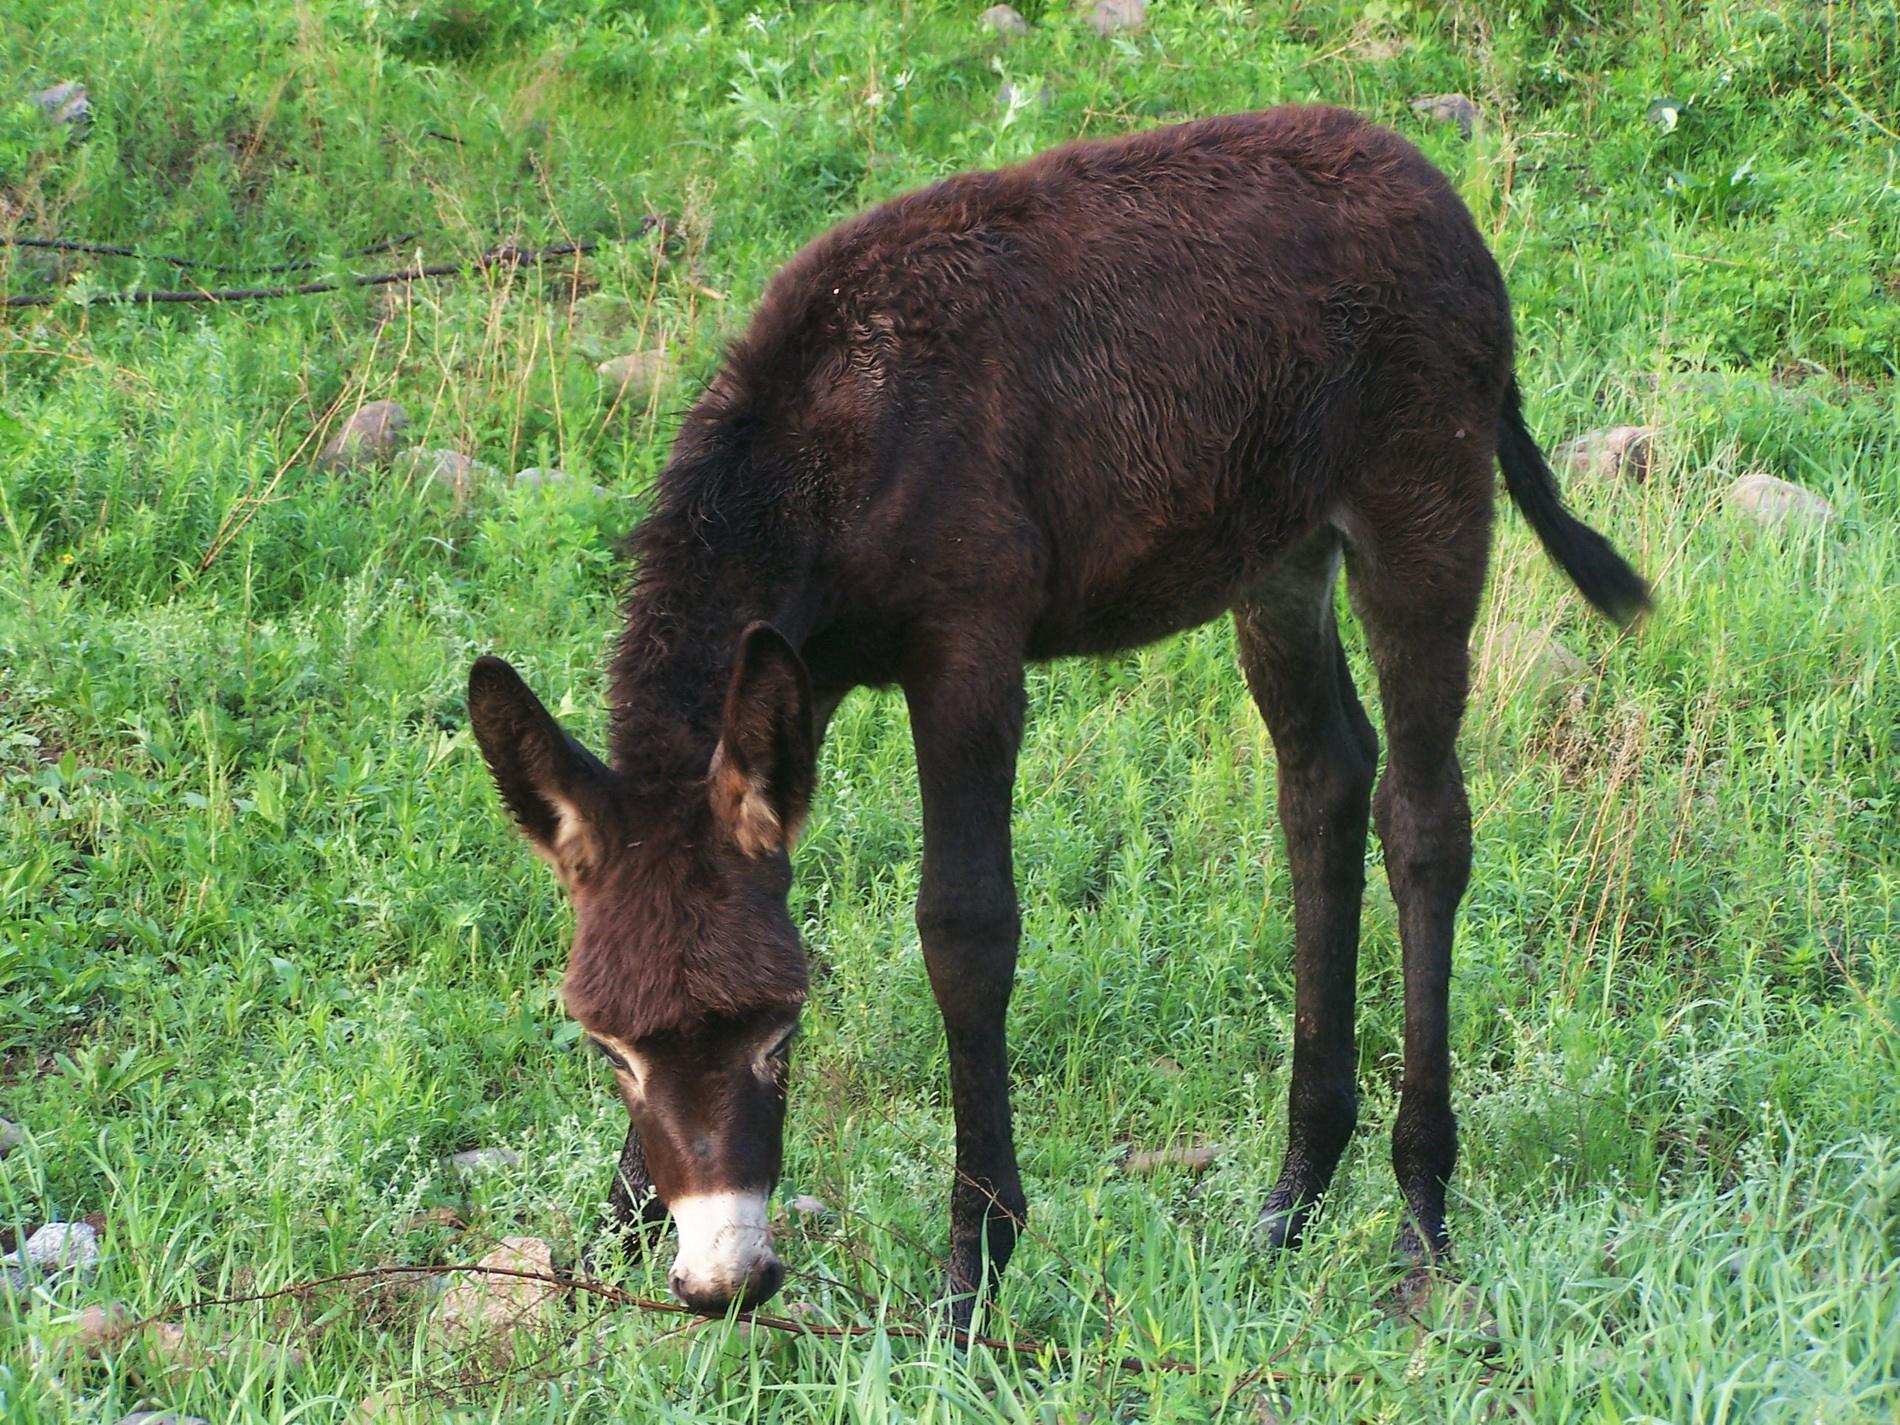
x: 1183, y: 580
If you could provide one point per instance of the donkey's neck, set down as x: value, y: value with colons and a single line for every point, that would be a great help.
x: 709, y: 561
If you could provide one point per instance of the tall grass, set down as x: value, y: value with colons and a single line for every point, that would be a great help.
x: 268, y: 949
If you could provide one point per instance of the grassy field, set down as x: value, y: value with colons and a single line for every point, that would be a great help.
x: 269, y: 949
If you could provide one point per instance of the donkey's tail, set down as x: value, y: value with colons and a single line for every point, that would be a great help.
x: 1600, y: 573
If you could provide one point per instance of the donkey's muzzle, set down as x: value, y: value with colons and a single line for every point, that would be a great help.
x: 725, y: 1253
x: 759, y: 1286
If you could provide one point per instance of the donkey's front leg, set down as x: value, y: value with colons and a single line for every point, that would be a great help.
x: 967, y: 722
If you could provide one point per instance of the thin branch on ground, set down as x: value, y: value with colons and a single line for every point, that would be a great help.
x: 505, y: 255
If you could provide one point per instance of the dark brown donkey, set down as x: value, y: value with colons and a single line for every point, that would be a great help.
x: 1066, y: 408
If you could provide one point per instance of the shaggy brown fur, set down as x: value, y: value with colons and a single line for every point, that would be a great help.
x: 1065, y: 408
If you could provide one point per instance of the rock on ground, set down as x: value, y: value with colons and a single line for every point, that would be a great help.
x: 1012, y: 95
x: 100, y: 1326
x: 634, y: 377
x: 1194, y: 1158
x: 478, y: 1305
x: 1778, y: 506
x: 1618, y: 452
x: 600, y: 325
x: 66, y: 103
x: 160, y: 1417
x: 1108, y: 17
x: 1004, y: 20
x: 478, y: 1161
x: 59, y: 1246
x: 805, y: 1205
x: 1448, y: 109
x: 373, y: 433
x: 454, y: 471
x: 10, y: 1136
x: 1530, y: 660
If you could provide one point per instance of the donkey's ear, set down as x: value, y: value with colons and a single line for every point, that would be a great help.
x: 555, y: 788
x: 762, y: 770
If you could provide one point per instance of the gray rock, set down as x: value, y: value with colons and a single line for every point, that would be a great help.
x: 1449, y: 109
x: 1109, y: 17
x: 1004, y: 20
x: 160, y: 1417
x: 66, y: 103
x: 1778, y: 506
x: 1012, y: 95
x: 535, y: 477
x: 1193, y: 1158
x: 1618, y: 452
x: 453, y: 471
x: 477, y: 1162
x: 16, y: 1281
x: 10, y: 1136
x: 480, y: 1305
x: 633, y: 378
x: 600, y: 325
x: 1531, y: 661
x: 100, y: 1326
x: 62, y: 1246
x: 805, y: 1205
x: 372, y: 434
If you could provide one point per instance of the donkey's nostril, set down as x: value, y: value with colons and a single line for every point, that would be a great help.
x: 763, y: 1284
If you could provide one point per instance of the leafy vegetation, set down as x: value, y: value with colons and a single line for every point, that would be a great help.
x: 268, y: 949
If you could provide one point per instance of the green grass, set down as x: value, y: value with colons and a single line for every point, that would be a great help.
x: 268, y: 948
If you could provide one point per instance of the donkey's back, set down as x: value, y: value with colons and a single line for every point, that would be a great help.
x: 1110, y: 385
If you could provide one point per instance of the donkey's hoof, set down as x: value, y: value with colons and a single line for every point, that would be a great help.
x: 1283, y: 1220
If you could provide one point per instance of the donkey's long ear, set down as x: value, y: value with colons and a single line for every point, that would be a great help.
x: 762, y: 770
x: 555, y: 788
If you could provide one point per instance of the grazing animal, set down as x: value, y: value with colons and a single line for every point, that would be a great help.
x: 1065, y: 408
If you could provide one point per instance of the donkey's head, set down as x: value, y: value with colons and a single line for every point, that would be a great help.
x: 686, y: 970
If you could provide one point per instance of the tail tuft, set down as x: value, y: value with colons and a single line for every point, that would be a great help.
x: 1601, y: 574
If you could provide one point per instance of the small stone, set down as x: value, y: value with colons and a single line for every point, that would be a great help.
x: 372, y: 434
x: 1004, y: 20
x: 1108, y: 17
x: 66, y: 103
x: 600, y: 324
x: 535, y: 478
x: 10, y: 1136
x: 477, y: 1162
x: 1012, y: 95
x: 1620, y: 451
x: 805, y: 1205
x: 437, y: 1217
x: 1194, y: 1158
x: 1166, y: 1067
x: 1448, y: 109
x: 455, y: 472
x: 160, y: 1417
x: 62, y: 1246
x: 99, y: 1326
x: 477, y: 1304
x: 1778, y: 506
x: 1531, y: 660
x: 633, y: 378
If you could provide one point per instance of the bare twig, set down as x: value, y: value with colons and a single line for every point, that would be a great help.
x: 903, y: 1330
x: 103, y: 249
x: 505, y: 256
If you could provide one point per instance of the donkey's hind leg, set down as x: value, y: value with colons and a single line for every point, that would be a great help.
x: 1415, y: 585
x: 1325, y: 755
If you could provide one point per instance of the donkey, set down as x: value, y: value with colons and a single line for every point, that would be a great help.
x: 1065, y: 408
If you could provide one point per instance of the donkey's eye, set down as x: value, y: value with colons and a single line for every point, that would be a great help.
x: 783, y: 1044
x: 609, y: 1055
